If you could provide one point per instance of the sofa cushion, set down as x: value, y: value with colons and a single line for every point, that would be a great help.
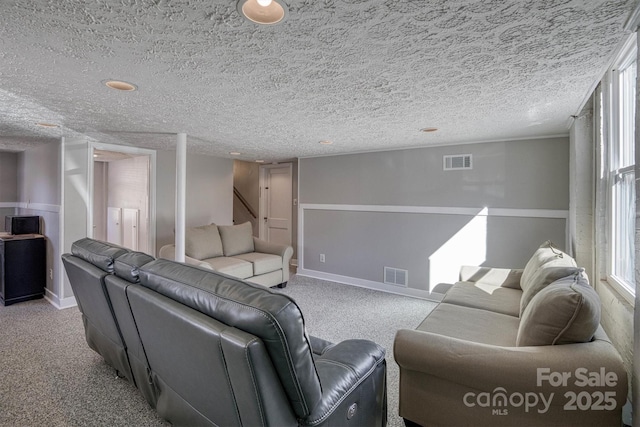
x: 202, y: 242
x: 544, y: 255
x: 547, y: 265
x: 126, y: 266
x: 268, y: 280
x: 486, y: 297
x: 262, y: 263
x: 545, y: 275
x: 471, y: 324
x: 100, y: 254
x: 237, y: 239
x: 567, y: 311
x: 232, y: 266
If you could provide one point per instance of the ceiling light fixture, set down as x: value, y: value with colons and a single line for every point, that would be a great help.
x: 235, y: 153
x: 427, y: 130
x: 120, y: 85
x: 326, y: 142
x: 264, y: 12
x: 259, y: 161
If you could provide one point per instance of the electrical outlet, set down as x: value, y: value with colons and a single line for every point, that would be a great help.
x: 321, y: 257
x: 51, y: 273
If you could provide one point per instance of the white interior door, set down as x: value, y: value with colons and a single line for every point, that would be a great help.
x: 114, y: 225
x: 276, y: 203
x: 130, y: 227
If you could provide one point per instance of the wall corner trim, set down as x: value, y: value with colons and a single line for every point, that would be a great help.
x: 58, y: 303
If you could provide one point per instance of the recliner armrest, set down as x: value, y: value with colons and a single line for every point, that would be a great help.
x: 342, y: 368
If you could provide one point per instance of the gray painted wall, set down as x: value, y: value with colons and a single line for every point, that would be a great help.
x: 209, y: 195
x: 8, y: 177
x: 38, y: 186
x: 9, y: 187
x: 515, y: 174
x: 520, y: 175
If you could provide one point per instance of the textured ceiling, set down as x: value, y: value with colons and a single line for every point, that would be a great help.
x: 365, y: 74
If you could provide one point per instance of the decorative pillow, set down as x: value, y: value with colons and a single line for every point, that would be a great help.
x: 567, y: 311
x: 544, y: 254
x: 237, y: 239
x: 543, y: 277
x: 202, y: 242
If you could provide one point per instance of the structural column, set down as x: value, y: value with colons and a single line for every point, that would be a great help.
x: 181, y: 189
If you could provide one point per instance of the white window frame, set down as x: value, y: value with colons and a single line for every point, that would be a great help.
x: 615, y: 171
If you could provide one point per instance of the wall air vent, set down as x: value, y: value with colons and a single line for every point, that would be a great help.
x: 457, y: 162
x: 396, y: 276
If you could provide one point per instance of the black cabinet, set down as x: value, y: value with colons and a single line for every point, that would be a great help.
x: 23, y: 264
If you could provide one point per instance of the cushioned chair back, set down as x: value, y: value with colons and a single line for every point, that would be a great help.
x: 126, y: 274
x: 274, y: 318
x: 206, y: 372
x: 86, y: 268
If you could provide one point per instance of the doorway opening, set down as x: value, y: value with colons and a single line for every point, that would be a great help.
x: 122, y: 194
x: 276, y: 201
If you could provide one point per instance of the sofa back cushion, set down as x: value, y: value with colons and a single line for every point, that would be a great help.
x: 127, y: 266
x: 273, y: 317
x: 100, y: 254
x: 203, y: 242
x: 547, y: 265
x: 567, y: 311
x: 237, y: 239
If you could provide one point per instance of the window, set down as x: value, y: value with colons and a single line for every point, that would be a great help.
x: 621, y: 175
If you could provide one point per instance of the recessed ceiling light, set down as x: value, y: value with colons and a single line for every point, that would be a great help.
x: 120, y: 85
x: 264, y: 12
x: 235, y: 153
x: 326, y: 142
x: 259, y: 161
x: 426, y: 130
x: 47, y: 125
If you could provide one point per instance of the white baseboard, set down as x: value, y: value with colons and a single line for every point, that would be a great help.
x: 293, y: 262
x: 58, y: 303
x: 370, y: 284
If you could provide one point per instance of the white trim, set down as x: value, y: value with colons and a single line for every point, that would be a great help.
x: 58, y: 303
x: 293, y: 262
x: 440, y: 210
x: 44, y: 207
x: 614, y: 283
x: 369, y: 284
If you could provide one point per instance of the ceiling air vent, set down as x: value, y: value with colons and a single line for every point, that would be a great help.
x: 457, y: 162
x: 396, y: 276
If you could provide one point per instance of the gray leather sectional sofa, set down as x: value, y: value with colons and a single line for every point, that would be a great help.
x: 207, y: 349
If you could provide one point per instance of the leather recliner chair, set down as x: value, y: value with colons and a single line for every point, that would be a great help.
x: 220, y: 351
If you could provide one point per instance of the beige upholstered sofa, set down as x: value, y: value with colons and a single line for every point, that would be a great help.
x: 232, y: 250
x: 513, y: 347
